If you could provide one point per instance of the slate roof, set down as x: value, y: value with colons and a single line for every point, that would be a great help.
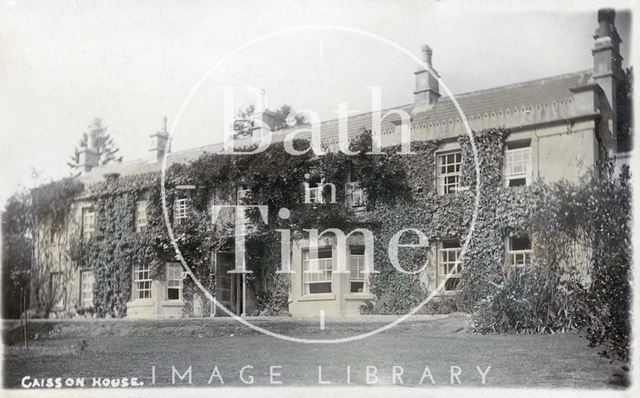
x: 506, y: 106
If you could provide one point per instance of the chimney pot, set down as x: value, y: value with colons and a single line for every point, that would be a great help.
x: 606, y: 23
x: 427, y: 55
x: 427, y: 85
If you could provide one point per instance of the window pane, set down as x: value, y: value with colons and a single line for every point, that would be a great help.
x: 449, y: 265
x: 173, y: 294
x: 521, y: 242
x: 357, y: 287
x: 320, y: 288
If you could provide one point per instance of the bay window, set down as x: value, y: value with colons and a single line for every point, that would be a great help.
x: 318, y: 281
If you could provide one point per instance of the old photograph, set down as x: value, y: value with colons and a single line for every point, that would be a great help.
x: 305, y: 198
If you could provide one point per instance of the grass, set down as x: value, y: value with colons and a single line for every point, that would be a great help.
x: 121, y: 348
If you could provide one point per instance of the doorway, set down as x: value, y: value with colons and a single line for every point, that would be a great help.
x: 228, y: 285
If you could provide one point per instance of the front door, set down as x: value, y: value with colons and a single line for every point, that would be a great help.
x: 227, y: 285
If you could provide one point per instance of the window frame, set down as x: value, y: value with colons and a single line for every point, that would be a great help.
x: 174, y: 273
x: 515, y: 148
x: 86, y: 302
x: 527, y: 254
x: 315, y: 195
x: 360, y: 270
x: 327, y: 272
x: 442, y: 187
x: 180, y: 208
x: 443, y: 265
x: 138, y: 270
x: 141, y: 216
x: 353, y: 188
x: 88, y: 228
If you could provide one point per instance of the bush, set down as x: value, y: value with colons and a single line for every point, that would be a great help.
x: 528, y: 301
x: 581, y: 277
x: 441, y: 305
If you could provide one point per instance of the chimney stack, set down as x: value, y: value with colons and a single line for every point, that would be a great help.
x: 607, y: 69
x: 159, y: 142
x: 427, y: 86
x: 88, y: 156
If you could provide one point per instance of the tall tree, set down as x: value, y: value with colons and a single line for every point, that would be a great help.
x: 17, y: 242
x: 104, y: 145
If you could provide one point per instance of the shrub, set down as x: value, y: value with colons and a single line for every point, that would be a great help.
x: 529, y: 301
x: 581, y: 277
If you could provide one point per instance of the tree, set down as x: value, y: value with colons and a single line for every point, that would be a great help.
x: 17, y: 243
x: 283, y: 118
x: 104, y: 145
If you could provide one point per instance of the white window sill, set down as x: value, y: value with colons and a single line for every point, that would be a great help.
x: 359, y: 296
x: 141, y: 303
x: 318, y: 297
x: 172, y: 303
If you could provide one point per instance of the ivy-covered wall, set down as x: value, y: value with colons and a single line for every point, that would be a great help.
x: 401, y: 193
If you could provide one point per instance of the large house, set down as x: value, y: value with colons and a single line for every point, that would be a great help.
x: 559, y: 127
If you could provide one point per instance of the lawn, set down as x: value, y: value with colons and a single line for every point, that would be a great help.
x: 122, y: 348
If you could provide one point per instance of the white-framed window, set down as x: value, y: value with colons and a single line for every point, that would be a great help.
x: 315, y: 195
x: 449, y: 261
x: 141, y: 281
x: 449, y: 171
x: 86, y: 288
x: 180, y: 209
x: 517, y: 164
x: 141, y: 216
x: 88, y: 222
x: 519, y: 251
x: 358, y: 282
x: 355, y: 195
x: 174, y: 281
x: 316, y: 192
x: 320, y: 280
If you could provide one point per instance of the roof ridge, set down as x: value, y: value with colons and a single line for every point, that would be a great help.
x: 486, y: 90
x: 526, y: 82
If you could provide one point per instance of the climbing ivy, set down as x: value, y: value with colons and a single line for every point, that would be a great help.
x: 401, y: 193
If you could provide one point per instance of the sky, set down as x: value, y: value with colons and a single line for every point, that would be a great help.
x: 131, y: 63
